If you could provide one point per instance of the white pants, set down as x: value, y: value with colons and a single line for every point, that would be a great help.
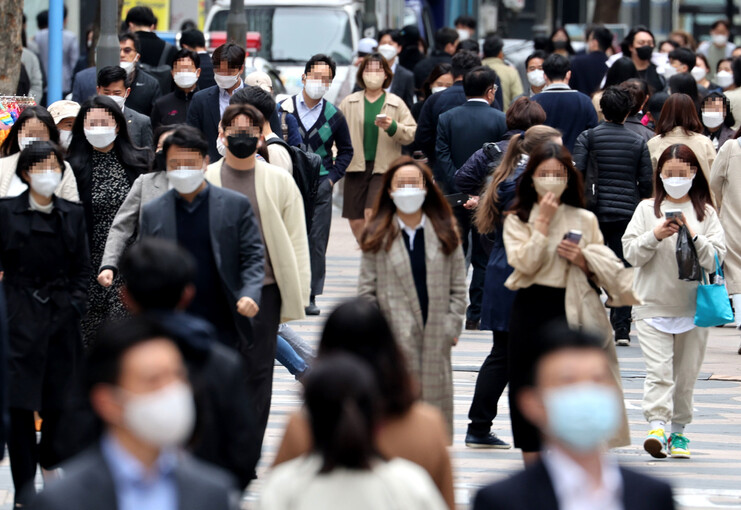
x: 672, y: 365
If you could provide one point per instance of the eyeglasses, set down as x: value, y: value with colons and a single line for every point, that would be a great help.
x: 128, y: 50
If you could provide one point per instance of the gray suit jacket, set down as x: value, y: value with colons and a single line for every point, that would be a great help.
x: 88, y: 485
x: 140, y: 128
x: 146, y: 188
x: 403, y: 85
x: 235, y: 240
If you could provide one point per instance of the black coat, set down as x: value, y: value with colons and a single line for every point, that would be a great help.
x: 424, y: 67
x: 634, y: 124
x: 152, y: 47
x: 171, y: 108
x: 532, y: 489
x: 206, y: 79
x: 145, y: 90
x: 625, y: 173
x: 204, y: 114
x: 587, y: 71
x: 3, y: 370
x: 403, y: 85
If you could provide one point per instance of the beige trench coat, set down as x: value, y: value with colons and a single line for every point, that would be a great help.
x: 725, y: 183
x: 386, y: 277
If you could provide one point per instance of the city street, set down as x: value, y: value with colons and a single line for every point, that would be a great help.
x: 710, y: 480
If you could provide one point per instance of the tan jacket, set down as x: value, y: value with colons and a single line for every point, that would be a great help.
x: 508, y: 77
x: 67, y: 189
x: 386, y: 277
x: 284, y: 230
x: 725, y: 183
x: 700, y: 145
x: 389, y: 147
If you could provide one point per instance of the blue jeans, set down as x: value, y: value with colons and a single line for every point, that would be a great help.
x: 289, y: 359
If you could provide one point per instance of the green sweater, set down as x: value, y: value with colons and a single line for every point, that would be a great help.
x: 370, y: 130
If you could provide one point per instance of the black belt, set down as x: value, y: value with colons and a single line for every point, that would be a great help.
x: 42, y: 289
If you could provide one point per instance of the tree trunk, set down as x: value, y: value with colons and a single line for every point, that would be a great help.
x: 606, y: 11
x: 11, y: 14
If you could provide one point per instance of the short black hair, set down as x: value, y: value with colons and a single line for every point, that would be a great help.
x: 674, y: 44
x: 736, y: 68
x: 468, y: 45
x: 156, y: 272
x: 463, y: 62
x: 685, y: 56
x: 717, y: 66
x: 541, y: 54
x: 616, y: 104
x: 192, y: 55
x: 445, y: 36
x: 257, y: 97
x: 557, y: 336
x: 128, y: 36
x: 37, y: 152
x: 141, y: 16
x: 318, y: 59
x: 393, y: 33
x: 193, y: 38
x: 42, y: 19
x: 493, y: 46
x: 187, y: 137
x: 111, y: 74
x: 466, y: 21
x: 232, y: 54
x: 656, y: 103
x: 603, y: 36
x: 477, y: 81
x: 719, y: 22
x: 161, y: 130
x: 556, y: 66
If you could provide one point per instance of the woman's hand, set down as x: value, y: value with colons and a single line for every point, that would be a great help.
x: 548, y: 207
x: 683, y: 222
x: 571, y: 252
x: 472, y: 203
x: 384, y: 122
x: 105, y: 278
x: 666, y: 229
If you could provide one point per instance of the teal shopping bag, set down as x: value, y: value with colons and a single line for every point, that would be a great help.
x: 713, y: 305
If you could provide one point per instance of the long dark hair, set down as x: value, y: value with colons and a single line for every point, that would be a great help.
x: 684, y: 83
x: 439, y: 70
x: 135, y: 158
x: 341, y: 396
x: 526, y: 194
x: 381, y: 230
x: 699, y: 192
x: 679, y: 111
x: 623, y: 69
x: 358, y: 327
x: 10, y: 145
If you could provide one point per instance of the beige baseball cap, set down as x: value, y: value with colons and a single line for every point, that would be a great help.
x: 259, y: 79
x: 61, y: 110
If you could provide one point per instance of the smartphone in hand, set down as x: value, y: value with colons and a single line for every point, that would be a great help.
x: 673, y: 215
x: 573, y: 236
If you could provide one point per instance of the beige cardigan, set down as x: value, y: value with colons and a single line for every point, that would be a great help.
x: 389, y: 147
x: 67, y: 189
x: 700, y: 145
x: 284, y: 230
x: 725, y: 183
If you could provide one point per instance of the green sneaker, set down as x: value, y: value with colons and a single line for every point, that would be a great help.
x: 679, y: 446
x: 655, y: 443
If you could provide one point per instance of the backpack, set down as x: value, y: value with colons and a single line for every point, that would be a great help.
x: 162, y: 72
x: 495, y: 155
x: 306, y: 167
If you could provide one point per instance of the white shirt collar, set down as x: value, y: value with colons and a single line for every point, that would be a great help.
x: 478, y: 99
x: 300, y: 100
x: 411, y: 232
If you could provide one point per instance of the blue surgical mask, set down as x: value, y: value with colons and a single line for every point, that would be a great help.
x: 583, y: 416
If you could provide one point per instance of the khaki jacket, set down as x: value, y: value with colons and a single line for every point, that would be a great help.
x: 508, y: 77
x: 284, y: 230
x: 725, y: 183
x: 700, y: 145
x: 389, y: 147
x: 67, y: 189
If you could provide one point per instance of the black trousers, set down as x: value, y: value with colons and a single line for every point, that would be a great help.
x: 490, y: 383
x: 478, y: 260
x: 26, y: 454
x: 613, y: 233
x: 319, y: 236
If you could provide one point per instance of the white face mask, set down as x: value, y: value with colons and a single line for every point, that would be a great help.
x: 388, y: 51
x: 44, y: 183
x: 536, y: 78
x: 435, y: 90
x: 719, y: 39
x: 698, y: 73
x: 127, y: 66
x: 315, y: 89
x: 185, y: 179
x: 550, y: 184
x: 120, y: 101
x: 100, y: 136
x: 712, y: 119
x: 26, y: 141
x: 463, y: 34
x: 65, y: 137
x: 669, y: 71
x: 724, y: 79
x: 162, y: 418
x: 409, y: 200
x: 220, y: 147
x: 225, y: 81
x: 185, y: 80
x: 677, y: 187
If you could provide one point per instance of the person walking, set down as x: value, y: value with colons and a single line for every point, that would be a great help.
x: 412, y: 266
x: 673, y: 347
x: 105, y: 164
x: 717, y: 119
x: 112, y: 84
x: 508, y: 75
x: 380, y: 125
x: 172, y: 108
x: 44, y: 267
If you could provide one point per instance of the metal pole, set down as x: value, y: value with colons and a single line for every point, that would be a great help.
x: 108, y: 51
x: 730, y: 11
x: 236, y: 24
x: 56, y: 25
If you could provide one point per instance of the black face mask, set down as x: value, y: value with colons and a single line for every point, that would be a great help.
x: 242, y: 145
x: 160, y: 161
x: 560, y: 45
x: 644, y: 52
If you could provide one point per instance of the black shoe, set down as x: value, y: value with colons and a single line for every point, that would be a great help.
x: 489, y: 441
x: 739, y: 349
x: 312, y: 309
x: 472, y: 325
x: 622, y: 337
x: 622, y: 342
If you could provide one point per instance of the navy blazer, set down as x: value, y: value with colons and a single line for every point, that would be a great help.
x: 235, y: 241
x: 460, y: 133
x: 403, y: 85
x: 204, y: 114
x: 532, y: 489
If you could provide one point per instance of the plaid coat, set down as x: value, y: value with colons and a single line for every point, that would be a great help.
x: 386, y: 277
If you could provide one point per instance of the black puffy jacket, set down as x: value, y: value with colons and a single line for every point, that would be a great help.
x: 625, y: 174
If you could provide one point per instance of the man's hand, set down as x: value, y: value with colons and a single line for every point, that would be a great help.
x: 105, y: 278
x: 247, y: 307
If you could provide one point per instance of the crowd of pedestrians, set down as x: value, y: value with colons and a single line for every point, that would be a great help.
x: 162, y: 227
